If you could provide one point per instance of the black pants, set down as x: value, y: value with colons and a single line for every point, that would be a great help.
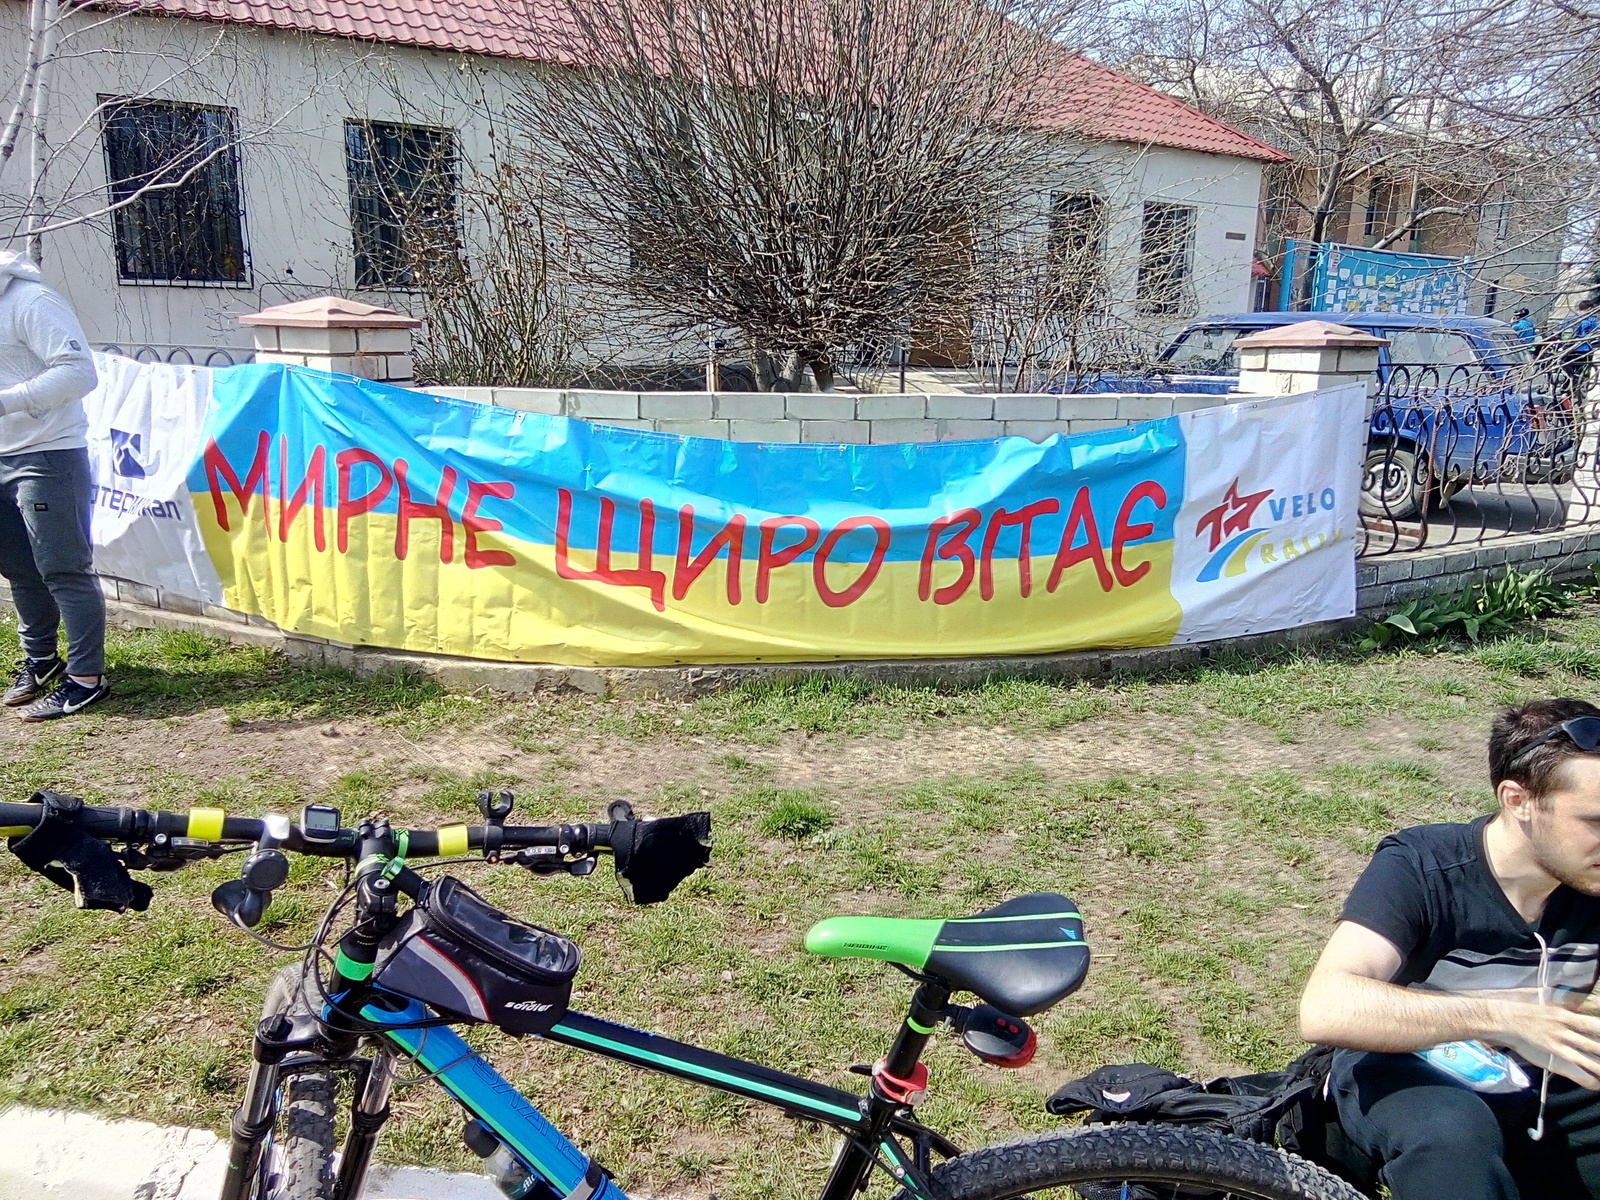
x: 1436, y: 1139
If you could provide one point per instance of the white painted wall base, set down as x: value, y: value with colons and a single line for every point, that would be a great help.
x: 47, y: 1154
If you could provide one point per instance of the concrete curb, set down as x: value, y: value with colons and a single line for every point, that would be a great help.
x: 49, y: 1154
x: 688, y: 681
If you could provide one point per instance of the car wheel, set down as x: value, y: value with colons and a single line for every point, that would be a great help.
x: 1393, y: 483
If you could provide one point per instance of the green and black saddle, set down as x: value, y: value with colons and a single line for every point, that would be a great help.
x: 1022, y: 956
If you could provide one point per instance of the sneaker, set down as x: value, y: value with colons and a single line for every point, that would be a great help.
x: 33, y: 680
x: 67, y: 699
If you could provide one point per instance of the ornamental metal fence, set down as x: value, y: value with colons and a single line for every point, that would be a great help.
x: 194, y: 356
x: 1464, y: 456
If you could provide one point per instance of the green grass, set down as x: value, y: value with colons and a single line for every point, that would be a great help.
x: 1207, y: 822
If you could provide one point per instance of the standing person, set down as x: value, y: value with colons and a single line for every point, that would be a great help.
x: 1577, y: 337
x: 46, y: 369
x: 1524, y: 327
x: 1485, y: 933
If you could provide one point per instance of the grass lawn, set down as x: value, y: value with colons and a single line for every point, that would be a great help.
x: 1207, y: 823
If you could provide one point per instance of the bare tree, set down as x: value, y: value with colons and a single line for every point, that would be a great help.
x: 809, y: 176
x: 58, y: 190
x: 497, y: 304
x: 1401, y: 116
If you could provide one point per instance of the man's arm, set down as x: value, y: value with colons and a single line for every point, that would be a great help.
x: 1349, y: 1001
x: 51, y: 331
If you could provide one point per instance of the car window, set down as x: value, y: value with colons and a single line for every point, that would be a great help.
x: 1509, y: 347
x: 1206, y: 351
x: 1438, y: 348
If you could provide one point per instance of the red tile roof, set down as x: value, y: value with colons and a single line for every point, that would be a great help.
x: 1093, y: 101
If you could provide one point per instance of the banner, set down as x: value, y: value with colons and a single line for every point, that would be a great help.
x: 374, y: 515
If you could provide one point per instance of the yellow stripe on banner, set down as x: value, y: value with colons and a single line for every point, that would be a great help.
x: 15, y: 830
x: 206, y: 824
x: 529, y: 613
x: 452, y: 840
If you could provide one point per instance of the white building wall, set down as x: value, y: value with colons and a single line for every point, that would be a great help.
x: 293, y: 93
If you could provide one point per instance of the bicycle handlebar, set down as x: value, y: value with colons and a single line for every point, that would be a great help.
x: 214, y: 826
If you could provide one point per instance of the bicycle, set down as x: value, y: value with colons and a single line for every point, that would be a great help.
x: 398, y: 980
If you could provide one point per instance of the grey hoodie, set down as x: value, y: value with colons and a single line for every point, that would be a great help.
x: 46, y: 366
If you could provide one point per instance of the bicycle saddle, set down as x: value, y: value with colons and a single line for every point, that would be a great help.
x: 1022, y: 956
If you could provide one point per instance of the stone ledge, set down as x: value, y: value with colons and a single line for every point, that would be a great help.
x: 688, y: 681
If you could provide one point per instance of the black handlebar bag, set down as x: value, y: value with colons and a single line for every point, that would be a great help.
x: 462, y: 956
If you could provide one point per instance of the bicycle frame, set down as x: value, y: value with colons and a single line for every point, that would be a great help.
x: 877, y: 1130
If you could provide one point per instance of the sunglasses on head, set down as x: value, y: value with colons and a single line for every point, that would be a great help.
x: 1582, y: 732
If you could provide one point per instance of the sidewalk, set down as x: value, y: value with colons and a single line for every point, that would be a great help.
x: 47, y: 1154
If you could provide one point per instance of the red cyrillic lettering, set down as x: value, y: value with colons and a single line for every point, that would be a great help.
x: 1024, y: 517
x: 819, y: 564
x: 1126, y: 532
x: 409, y: 510
x: 955, y: 547
x: 348, y: 506
x: 767, y: 560
x: 218, y: 470
x: 1093, y: 550
x: 289, y: 508
x: 474, y: 525
x: 641, y: 576
x: 685, y: 571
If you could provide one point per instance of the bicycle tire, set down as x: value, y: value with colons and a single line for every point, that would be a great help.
x: 1162, y: 1161
x: 298, y: 1162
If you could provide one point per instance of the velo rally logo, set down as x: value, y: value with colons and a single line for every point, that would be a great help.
x: 1265, y: 529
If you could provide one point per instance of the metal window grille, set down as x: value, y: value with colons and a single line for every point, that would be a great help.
x: 1165, y: 240
x: 403, y: 199
x: 174, y: 171
x: 1077, y: 240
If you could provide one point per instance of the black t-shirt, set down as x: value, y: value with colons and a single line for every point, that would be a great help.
x: 1429, y: 890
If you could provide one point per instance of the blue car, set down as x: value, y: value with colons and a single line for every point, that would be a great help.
x: 1460, y: 403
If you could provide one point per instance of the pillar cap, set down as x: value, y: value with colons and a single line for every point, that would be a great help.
x: 331, y: 312
x: 1310, y: 335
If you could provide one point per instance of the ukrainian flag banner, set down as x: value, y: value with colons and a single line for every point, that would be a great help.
x: 378, y: 516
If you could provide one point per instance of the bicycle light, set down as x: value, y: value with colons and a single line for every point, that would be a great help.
x: 998, y: 1038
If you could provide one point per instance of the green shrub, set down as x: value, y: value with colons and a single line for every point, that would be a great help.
x: 1488, y: 608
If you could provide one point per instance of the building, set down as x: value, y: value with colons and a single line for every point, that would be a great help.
x: 287, y: 116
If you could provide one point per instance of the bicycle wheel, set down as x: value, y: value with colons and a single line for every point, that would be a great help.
x: 297, y: 1163
x: 1135, y: 1162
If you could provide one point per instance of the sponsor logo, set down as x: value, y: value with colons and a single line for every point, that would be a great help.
x: 528, y: 1006
x: 125, y: 454
x: 1242, y: 530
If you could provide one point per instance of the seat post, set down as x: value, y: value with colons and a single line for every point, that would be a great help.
x: 928, y: 1005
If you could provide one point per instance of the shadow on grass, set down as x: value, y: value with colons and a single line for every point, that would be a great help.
x: 157, y: 674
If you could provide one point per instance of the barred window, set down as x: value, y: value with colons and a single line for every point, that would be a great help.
x: 1077, y: 237
x: 174, y: 175
x: 1164, y: 243
x: 402, y: 200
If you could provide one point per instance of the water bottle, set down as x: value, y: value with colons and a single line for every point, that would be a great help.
x: 1478, y: 1066
x: 503, y: 1168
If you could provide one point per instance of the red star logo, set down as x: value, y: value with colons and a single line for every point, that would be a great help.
x: 1232, y: 515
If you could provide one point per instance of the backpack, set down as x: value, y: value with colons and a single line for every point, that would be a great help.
x: 1289, y: 1108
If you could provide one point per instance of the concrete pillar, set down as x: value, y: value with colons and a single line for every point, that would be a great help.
x: 331, y: 333
x: 1305, y: 356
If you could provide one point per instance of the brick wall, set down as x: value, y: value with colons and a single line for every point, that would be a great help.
x: 1386, y: 582
x: 831, y: 417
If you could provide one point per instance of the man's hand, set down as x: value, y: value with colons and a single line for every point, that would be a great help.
x: 1554, y: 1037
x: 1349, y: 1001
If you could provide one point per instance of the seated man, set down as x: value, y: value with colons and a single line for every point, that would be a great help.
x: 1486, y: 932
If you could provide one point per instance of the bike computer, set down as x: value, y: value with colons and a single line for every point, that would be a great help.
x: 319, y: 823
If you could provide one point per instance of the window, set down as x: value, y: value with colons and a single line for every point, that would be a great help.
x: 1077, y: 234
x: 1164, y: 242
x: 1205, y: 351
x: 174, y: 169
x: 402, y: 200
x: 1444, y: 351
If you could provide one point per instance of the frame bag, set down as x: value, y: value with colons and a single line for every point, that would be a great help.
x: 462, y: 956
